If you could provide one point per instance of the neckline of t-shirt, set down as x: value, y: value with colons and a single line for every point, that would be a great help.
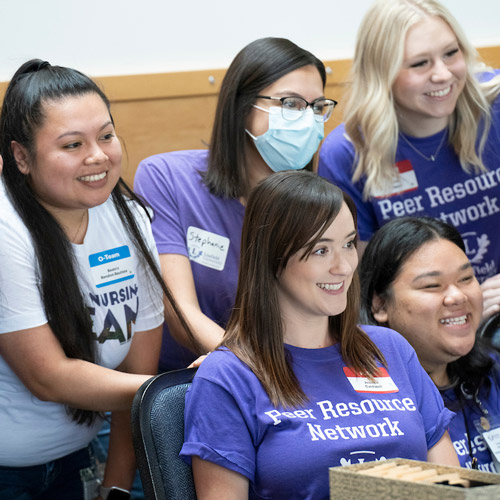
x: 319, y: 354
x: 89, y: 222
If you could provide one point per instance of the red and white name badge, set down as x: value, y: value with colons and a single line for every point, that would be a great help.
x: 382, y: 384
x: 405, y: 180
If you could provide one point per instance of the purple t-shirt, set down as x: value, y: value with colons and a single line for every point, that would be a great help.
x: 439, y: 188
x: 286, y: 454
x: 189, y: 220
x: 490, y: 400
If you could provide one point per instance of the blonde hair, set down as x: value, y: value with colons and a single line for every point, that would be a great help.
x: 370, y: 118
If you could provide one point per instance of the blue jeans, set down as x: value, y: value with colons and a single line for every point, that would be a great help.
x: 62, y: 479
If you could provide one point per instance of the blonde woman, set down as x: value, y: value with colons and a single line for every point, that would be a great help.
x: 421, y: 131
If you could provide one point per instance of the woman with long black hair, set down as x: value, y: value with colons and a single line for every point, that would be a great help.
x: 81, y: 297
x: 417, y: 280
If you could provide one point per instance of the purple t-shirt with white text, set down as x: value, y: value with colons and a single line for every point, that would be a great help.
x: 440, y: 189
x: 489, y: 397
x: 286, y: 454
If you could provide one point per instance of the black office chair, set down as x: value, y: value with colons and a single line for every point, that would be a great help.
x: 158, y: 434
x: 490, y: 330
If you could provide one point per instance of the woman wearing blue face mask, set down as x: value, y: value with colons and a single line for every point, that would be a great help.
x: 294, y: 131
x: 270, y: 117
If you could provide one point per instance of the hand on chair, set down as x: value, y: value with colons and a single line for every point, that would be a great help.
x: 197, y: 362
x: 491, y: 296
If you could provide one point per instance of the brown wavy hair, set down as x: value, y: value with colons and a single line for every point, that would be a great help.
x: 286, y: 213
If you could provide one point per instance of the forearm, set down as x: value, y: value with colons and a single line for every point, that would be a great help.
x: 37, y: 358
x: 178, y: 276
x: 206, y: 331
x: 73, y: 382
x: 491, y: 296
x: 120, y: 465
x: 103, y: 389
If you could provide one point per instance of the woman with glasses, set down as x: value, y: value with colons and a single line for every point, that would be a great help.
x: 422, y: 131
x: 417, y: 280
x: 270, y: 117
x: 297, y: 386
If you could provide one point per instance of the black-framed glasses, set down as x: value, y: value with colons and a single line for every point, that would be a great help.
x: 292, y: 108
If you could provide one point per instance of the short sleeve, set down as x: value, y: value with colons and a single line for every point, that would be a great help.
x: 151, y: 310
x: 336, y: 164
x: 21, y: 304
x: 436, y: 417
x: 154, y: 182
x: 403, y: 362
x: 220, y: 421
x: 219, y: 433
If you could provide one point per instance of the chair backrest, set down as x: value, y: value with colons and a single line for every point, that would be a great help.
x: 158, y: 434
x: 490, y: 330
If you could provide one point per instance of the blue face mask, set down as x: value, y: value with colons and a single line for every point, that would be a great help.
x: 289, y: 144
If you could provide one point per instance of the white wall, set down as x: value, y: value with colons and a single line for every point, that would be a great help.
x: 118, y: 37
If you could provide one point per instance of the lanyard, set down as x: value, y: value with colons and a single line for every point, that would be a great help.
x: 484, y: 418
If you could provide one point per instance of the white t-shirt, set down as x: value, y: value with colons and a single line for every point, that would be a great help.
x: 121, y: 297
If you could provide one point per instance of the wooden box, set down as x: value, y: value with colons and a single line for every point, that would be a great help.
x: 411, y: 481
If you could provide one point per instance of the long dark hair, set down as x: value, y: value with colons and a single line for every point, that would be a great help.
x: 254, y: 68
x: 386, y: 253
x: 286, y: 213
x: 23, y: 113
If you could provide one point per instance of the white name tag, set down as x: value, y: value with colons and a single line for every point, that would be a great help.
x: 206, y: 248
x: 111, y: 266
x: 492, y: 437
x: 382, y: 384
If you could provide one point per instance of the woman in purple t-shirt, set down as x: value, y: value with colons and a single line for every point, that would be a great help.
x: 270, y: 116
x: 297, y: 385
x: 417, y: 279
x: 422, y: 131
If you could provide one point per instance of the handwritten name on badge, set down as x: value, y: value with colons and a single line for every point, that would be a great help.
x: 382, y: 384
x: 206, y: 248
x: 492, y: 438
x: 405, y: 180
x: 111, y: 266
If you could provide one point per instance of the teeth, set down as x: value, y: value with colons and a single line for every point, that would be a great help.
x: 440, y: 93
x: 92, y: 178
x: 328, y: 286
x: 460, y: 320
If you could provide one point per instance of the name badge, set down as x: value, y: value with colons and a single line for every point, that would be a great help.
x: 111, y: 266
x: 206, y: 248
x: 489, y: 428
x: 405, y: 180
x: 382, y: 383
x: 492, y: 437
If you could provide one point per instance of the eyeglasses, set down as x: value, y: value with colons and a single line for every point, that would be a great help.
x: 292, y: 108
